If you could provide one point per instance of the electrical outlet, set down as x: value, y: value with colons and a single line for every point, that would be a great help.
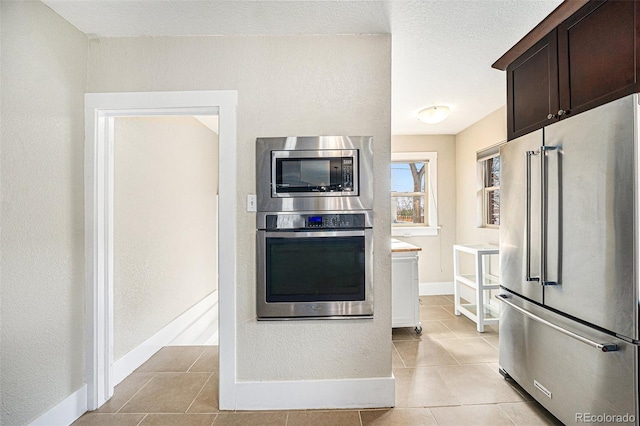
x: 251, y: 202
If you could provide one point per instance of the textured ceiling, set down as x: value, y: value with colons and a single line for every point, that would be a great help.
x: 442, y: 50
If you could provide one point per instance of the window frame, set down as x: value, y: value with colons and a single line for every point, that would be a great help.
x: 486, y: 190
x: 431, y: 227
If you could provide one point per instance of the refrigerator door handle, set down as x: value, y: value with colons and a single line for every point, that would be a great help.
x: 604, y: 347
x: 543, y: 214
x: 527, y: 246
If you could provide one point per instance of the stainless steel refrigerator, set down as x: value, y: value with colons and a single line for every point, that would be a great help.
x: 570, y: 264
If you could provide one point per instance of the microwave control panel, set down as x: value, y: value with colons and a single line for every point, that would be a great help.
x: 347, y: 174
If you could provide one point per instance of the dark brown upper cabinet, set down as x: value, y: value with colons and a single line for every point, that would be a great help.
x: 532, y: 88
x: 597, y: 50
x: 590, y: 57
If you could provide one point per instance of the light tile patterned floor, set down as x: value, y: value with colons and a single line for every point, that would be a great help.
x: 446, y: 376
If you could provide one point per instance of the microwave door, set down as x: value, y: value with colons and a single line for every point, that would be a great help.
x: 306, y: 174
x: 314, y: 173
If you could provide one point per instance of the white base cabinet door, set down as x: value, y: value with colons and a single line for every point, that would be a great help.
x: 405, y: 290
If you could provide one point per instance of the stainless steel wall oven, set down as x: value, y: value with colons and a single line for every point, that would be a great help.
x: 314, y: 239
x: 315, y: 265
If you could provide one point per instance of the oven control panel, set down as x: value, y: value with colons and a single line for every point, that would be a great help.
x: 335, y: 221
x: 316, y: 221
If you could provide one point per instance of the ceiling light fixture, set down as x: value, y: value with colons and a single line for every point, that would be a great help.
x: 434, y: 114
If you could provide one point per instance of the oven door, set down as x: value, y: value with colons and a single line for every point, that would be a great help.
x: 310, y: 274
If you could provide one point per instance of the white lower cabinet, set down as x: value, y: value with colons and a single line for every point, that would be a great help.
x: 405, y: 290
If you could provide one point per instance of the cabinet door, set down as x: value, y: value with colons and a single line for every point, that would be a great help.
x: 404, y: 284
x: 532, y: 88
x: 597, y: 49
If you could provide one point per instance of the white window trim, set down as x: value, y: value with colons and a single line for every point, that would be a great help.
x: 431, y: 159
x: 484, y: 216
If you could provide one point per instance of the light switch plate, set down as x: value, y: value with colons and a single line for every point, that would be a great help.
x: 251, y: 202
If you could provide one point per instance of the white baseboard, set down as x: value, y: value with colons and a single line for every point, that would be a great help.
x: 316, y: 394
x: 190, y: 324
x: 65, y: 412
x: 203, y: 331
x: 194, y: 323
x: 436, y: 288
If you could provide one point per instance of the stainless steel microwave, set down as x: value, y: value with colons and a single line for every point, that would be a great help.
x: 314, y: 173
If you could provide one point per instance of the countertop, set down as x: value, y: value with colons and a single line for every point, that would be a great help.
x: 398, y: 246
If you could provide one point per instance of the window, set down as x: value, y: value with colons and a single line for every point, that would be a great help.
x: 413, y: 193
x: 408, y: 192
x: 489, y: 186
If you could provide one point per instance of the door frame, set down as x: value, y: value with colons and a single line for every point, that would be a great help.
x: 101, y: 109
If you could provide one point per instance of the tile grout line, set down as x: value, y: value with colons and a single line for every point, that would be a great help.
x: 399, y: 356
x: 199, y: 392
x: 449, y: 353
x: 467, y: 363
x: 516, y: 389
x: 450, y: 329
x: 137, y: 392
x: 194, y: 362
x: 142, y: 419
x: 433, y: 415
x: 520, y: 391
x: 490, y: 343
x: 506, y: 414
x: 444, y: 381
x: 478, y: 334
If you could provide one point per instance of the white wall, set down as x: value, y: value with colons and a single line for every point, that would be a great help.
x: 43, y: 80
x: 436, y: 261
x: 287, y: 85
x: 487, y: 132
x: 165, y: 215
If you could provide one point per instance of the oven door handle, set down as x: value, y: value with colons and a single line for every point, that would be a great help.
x: 314, y: 234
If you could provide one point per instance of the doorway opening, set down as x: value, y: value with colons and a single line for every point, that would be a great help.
x: 165, y: 235
x: 102, y: 110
